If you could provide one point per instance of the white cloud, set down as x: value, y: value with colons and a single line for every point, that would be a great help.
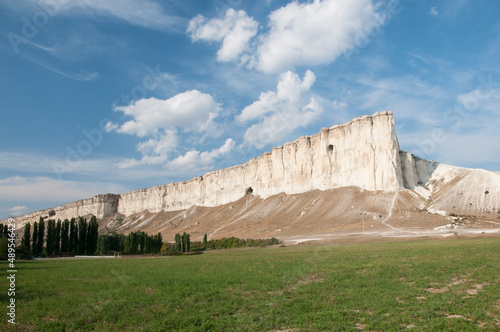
x: 315, y: 33
x: 281, y: 112
x: 155, y: 150
x: 433, y: 11
x: 234, y: 31
x: 191, y: 111
x: 159, y: 146
x: 194, y: 159
x: 144, y: 13
x: 309, y: 33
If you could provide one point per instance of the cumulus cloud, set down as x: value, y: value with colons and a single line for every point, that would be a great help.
x: 234, y: 31
x: 159, y: 146
x: 191, y: 111
x: 315, y: 33
x: 310, y: 33
x: 155, y: 150
x: 433, y: 11
x: 282, y: 111
x: 162, y: 120
x: 195, y: 159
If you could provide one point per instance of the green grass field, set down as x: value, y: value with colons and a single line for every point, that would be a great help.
x: 451, y: 285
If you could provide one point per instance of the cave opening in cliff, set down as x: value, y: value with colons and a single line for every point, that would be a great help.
x: 248, y: 191
x: 330, y: 148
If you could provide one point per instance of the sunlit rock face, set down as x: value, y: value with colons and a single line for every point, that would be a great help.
x: 363, y: 152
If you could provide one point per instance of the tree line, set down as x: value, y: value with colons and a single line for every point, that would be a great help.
x: 234, y: 242
x: 182, y: 244
x: 81, y: 238
x: 61, y: 237
x: 134, y: 243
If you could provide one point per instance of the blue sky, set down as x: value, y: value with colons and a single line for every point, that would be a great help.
x: 112, y: 96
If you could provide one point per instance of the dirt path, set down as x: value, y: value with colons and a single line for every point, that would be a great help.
x: 391, y: 209
x: 384, y: 221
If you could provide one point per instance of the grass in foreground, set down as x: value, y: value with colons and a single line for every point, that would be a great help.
x: 434, y: 285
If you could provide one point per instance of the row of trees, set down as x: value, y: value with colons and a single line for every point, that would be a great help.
x: 234, y: 242
x: 182, y: 242
x: 72, y: 237
x: 134, y: 243
x: 66, y: 237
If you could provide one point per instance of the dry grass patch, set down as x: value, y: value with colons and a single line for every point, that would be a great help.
x: 360, y: 326
x: 305, y: 281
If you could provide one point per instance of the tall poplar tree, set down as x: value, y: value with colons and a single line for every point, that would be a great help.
x: 178, y: 242
x: 92, y: 235
x: 57, y: 238
x: 73, y: 236
x: 41, y: 235
x: 35, y: 239
x: 50, y: 236
x: 82, y: 236
x: 65, y: 236
x: 27, y: 236
x: 159, y: 243
x: 184, y: 242
x: 142, y: 242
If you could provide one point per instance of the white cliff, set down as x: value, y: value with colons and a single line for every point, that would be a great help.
x: 363, y: 152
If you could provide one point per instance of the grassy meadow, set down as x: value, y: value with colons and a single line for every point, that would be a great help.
x: 450, y: 285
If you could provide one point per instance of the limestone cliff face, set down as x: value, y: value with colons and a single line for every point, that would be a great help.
x: 363, y: 152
